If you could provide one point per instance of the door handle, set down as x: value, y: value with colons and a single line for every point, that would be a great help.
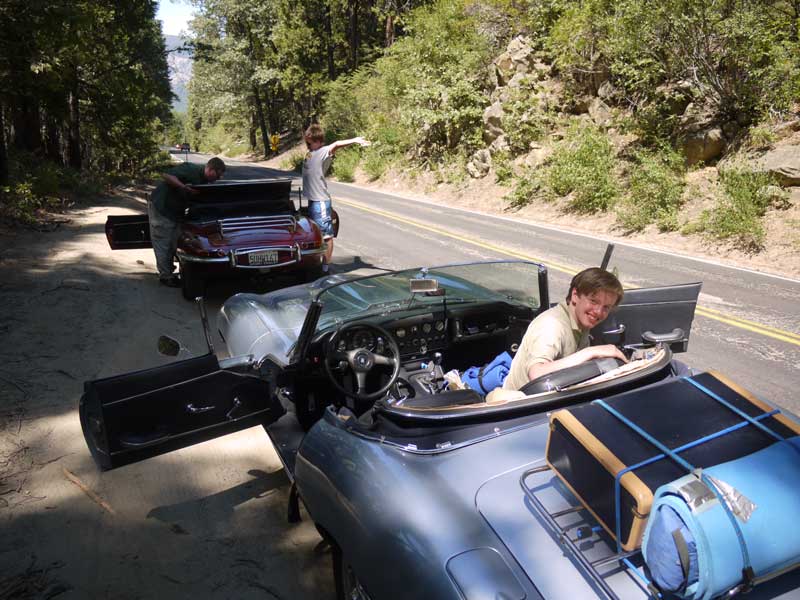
x: 236, y: 405
x: 618, y: 330
x: 196, y: 410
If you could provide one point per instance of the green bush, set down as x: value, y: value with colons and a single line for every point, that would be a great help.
x: 523, y: 121
x: 526, y: 188
x: 655, y: 191
x: 582, y: 166
x: 503, y: 168
x: 345, y: 163
x: 737, y: 216
x: 38, y: 186
x: 294, y: 162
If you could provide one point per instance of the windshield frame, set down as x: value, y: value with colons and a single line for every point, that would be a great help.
x: 315, y: 310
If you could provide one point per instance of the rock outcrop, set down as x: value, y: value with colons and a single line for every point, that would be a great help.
x: 783, y: 163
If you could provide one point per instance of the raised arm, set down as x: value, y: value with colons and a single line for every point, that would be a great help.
x: 344, y: 143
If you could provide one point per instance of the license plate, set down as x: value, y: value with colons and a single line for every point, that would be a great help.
x: 265, y: 257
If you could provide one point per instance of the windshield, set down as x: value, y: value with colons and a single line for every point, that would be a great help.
x: 514, y: 282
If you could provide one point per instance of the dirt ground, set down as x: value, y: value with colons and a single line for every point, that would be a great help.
x: 208, y: 521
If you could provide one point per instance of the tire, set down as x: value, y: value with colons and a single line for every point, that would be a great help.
x: 192, y: 284
x: 348, y: 586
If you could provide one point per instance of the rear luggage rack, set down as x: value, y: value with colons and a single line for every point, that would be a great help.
x: 247, y: 223
x: 584, y: 541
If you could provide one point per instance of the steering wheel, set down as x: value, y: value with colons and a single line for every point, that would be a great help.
x: 361, y: 361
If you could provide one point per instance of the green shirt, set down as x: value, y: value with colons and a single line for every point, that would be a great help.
x: 172, y: 202
x: 552, y: 335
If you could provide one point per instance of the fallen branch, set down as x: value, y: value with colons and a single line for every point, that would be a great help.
x: 93, y: 496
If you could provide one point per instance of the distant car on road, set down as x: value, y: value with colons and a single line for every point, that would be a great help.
x: 185, y: 147
x: 234, y: 228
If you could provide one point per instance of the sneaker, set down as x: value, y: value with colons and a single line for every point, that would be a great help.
x: 172, y: 281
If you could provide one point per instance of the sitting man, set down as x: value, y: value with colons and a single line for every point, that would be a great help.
x: 559, y: 337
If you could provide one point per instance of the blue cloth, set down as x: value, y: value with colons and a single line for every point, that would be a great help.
x: 319, y: 211
x: 484, y: 379
x: 770, y: 479
x: 665, y: 563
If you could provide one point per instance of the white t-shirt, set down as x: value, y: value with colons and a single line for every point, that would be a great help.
x: 552, y: 335
x: 315, y: 165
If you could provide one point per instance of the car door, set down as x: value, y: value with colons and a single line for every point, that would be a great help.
x: 132, y: 417
x: 127, y: 232
x: 648, y: 315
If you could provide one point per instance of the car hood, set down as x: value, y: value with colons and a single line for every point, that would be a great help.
x: 268, y: 325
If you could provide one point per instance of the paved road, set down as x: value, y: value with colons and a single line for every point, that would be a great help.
x: 747, y: 324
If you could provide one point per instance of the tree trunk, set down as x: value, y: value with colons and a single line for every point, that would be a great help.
x: 3, y: 149
x: 355, y: 36
x: 74, y: 141
x: 261, y: 122
x: 389, y: 38
x: 329, y: 42
x: 52, y: 141
x: 27, y: 126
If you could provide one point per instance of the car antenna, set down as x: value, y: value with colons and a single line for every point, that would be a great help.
x: 607, y: 256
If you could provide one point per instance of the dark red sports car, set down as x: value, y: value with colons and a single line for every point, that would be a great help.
x: 235, y: 228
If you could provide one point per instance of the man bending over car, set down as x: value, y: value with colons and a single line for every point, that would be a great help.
x: 559, y: 337
x: 167, y: 206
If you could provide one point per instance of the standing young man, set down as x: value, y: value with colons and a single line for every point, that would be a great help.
x: 559, y: 337
x: 315, y: 188
x: 166, y: 209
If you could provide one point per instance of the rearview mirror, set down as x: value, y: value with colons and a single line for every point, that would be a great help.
x: 423, y: 286
x: 168, y: 346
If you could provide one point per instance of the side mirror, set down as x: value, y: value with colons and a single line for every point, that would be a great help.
x: 168, y: 346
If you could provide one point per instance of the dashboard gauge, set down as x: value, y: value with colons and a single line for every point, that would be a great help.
x: 363, y: 339
x: 401, y: 333
x: 426, y: 328
x: 341, y: 346
x: 414, y: 329
x: 380, y: 346
x: 439, y: 325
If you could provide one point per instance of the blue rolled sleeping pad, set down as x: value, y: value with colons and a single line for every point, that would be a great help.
x: 484, y: 379
x: 694, y: 551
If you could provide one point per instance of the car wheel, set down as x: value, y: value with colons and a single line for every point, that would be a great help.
x: 348, y: 586
x: 192, y: 284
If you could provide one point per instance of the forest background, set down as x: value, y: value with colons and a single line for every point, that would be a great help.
x: 628, y: 108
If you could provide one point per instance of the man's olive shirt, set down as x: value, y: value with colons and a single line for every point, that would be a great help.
x: 172, y: 202
x: 552, y: 335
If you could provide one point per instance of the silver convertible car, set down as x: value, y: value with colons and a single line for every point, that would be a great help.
x: 605, y: 480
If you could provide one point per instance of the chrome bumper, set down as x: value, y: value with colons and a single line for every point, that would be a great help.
x: 298, y: 256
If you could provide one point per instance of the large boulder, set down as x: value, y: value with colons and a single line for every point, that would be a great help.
x: 479, y: 164
x: 702, y: 145
x: 537, y: 156
x: 600, y: 112
x: 783, y: 163
x: 493, y: 122
x: 518, y: 58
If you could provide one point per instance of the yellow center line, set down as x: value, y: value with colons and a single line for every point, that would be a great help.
x: 771, y: 332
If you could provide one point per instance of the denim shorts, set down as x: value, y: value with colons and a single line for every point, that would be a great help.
x: 319, y: 211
